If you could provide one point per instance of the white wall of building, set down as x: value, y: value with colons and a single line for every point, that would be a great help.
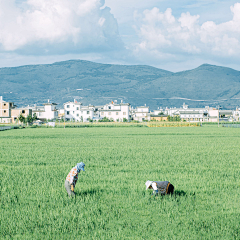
x: 115, y: 112
x: 48, y: 111
x: 236, y: 115
x: 213, y: 114
x: 141, y: 113
x: 74, y: 111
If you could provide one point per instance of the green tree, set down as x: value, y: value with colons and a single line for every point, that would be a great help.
x: 125, y: 120
x: 29, y: 119
x: 90, y: 120
x: 176, y: 118
x: 21, y: 118
x: 105, y: 119
x: 35, y: 117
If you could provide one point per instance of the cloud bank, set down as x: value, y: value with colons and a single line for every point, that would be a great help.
x: 164, y: 37
x: 57, y: 26
x: 46, y: 31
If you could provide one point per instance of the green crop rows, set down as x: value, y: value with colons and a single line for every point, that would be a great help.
x: 112, y: 203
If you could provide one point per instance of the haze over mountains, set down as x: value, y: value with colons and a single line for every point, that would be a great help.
x: 98, y: 84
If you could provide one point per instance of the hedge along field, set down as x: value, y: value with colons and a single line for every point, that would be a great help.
x: 112, y: 203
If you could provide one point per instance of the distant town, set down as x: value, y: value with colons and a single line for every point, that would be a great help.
x: 117, y: 112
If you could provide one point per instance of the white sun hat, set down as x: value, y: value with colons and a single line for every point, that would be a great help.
x: 148, y: 184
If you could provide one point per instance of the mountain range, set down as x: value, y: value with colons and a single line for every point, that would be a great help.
x: 98, y: 84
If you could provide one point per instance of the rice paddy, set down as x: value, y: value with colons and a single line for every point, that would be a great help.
x: 111, y: 201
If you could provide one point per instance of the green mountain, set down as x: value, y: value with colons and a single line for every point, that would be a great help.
x: 98, y: 84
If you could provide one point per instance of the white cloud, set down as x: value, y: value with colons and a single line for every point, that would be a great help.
x: 162, y: 34
x: 188, y: 21
x: 53, y: 25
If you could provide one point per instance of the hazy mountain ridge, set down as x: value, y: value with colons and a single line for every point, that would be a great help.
x: 95, y: 83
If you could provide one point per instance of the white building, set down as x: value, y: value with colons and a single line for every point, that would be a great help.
x: 75, y: 111
x: 141, y: 113
x: 158, y: 111
x: 46, y: 112
x: 192, y: 114
x: 116, y: 112
x: 213, y: 114
x: 236, y: 115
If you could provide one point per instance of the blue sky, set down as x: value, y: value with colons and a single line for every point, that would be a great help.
x: 173, y: 35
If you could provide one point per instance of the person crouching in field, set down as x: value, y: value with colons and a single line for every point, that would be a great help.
x: 72, y: 178
x: 163, y: 188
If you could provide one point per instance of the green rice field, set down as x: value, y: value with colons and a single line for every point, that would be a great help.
x: 203, y: 164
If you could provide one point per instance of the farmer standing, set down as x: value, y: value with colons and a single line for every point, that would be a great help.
x: 72, y: 178
x: 163, y: 188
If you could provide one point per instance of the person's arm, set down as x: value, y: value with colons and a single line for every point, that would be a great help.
x: 72, y: 178
x: 154, y: 186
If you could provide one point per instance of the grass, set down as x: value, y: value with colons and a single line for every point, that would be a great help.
x: 112, y: 203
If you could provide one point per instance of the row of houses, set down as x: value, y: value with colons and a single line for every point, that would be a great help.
x: 118, y: 112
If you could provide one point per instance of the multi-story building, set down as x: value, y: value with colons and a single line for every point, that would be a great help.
x: 141, y: 113
x: 213, y: 114
x: 190, y: 114
x: 16, y: 112
x: 5, y: 111
x: 9, y: 113
x: 75, y: 111
x: 46, y: 112
x: 236, y: 114
x: 116, y: 112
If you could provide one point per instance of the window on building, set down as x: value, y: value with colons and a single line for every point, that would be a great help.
x: 102, y: 113
x: 23, y: 111
x: 4, y: 111
x: 77, y: 108
x: 124, y: 113
x: 81, y: 112
x: 68, y: 112
x: 68, y: 106
x: 73, y: 112
x: 109, y: 113
x: 109, y: 107
x: 116, y: 113
x: 77, y: 115
x: 4, y: 104
x: 87, y: 112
